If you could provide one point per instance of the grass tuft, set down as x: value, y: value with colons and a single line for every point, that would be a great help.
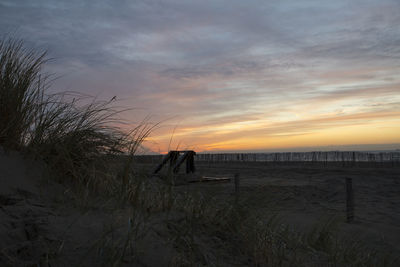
x: 21, y: 91
x: 74, y: 136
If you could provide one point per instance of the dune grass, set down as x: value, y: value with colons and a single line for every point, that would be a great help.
x: 71, y: 133
x: 76, y: 137
x: 21, y: 91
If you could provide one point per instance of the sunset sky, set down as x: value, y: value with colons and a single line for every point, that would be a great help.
x: 229, y: 75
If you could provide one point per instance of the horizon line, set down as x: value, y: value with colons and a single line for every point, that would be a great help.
x: 341, y: 148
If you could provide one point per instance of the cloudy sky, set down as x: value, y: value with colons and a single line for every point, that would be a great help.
x: 229, y: 75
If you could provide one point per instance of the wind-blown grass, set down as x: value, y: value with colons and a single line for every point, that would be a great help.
x: 72, y: 138
x: 21, y: 91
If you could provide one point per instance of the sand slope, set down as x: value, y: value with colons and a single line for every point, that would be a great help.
x: 40, y: 225
x: 24, y: 216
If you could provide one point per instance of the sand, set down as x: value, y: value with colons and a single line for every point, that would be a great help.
x: 41, y: 222
x: 303, y: 194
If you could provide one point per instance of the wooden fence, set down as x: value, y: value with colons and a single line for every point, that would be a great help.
x: 317, y: 156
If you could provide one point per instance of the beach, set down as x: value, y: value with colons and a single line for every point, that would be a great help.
x: 196, y: 222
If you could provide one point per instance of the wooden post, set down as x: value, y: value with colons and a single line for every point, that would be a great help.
x: 190, y: 162
x: 179, y: 160
x: 165, y: 160
x: 237, y: 187
x: 349, y: 200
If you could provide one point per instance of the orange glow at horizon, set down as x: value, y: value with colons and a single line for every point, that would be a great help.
x: 356, y: 129
x: 329, y: 111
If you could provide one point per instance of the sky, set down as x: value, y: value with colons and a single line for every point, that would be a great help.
x: 229, y: 76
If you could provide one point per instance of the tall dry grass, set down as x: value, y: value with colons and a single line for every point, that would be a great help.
x: 21, y: 91
x: 72, y: 134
